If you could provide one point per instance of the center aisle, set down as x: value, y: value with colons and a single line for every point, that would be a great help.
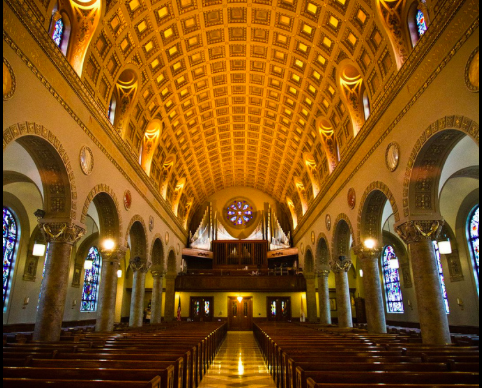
x: 239, y: 363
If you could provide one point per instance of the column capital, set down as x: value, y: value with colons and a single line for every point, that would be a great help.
x: 157, y: 271
x: 115, y: 256
x: 62, y: 232
x: 138, y: 265
x: 419, y: 230
x: 364, y: 253
x: 323, y: 273
x: 338, y: 266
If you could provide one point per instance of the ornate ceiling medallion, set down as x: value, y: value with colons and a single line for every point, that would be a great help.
x: 86, y: 159
x: 9, y: 83
x: 352, y: 198
x: 392, y: 157
x: 472, y: 72
x: 127, y: 200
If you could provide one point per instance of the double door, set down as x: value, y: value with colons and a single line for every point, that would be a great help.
x: 202, y: 309
x: 240, y: 314
x: 279, y: 309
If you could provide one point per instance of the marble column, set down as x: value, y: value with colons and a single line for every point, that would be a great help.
x: 343, y: 300
x: 60, y: 238
x: 170, y: 307
x: 108, y: 289
x: 375, y: 309
x: 140, y: 269
x: 419, y: 236
x: 157, y: 287
x: 324, y: 297
x: 311, y: 298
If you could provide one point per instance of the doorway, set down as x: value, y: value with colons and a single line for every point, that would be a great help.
x: 279, y: 309
x: 240, y: 314
x: 201, y: 309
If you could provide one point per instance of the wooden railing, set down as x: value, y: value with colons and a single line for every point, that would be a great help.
x: 237, y: 254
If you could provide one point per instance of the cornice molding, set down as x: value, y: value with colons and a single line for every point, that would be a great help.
x: 28, y: 19
x: 439, y: 25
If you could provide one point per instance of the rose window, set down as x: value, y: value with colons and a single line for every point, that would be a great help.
x: 240, y: 213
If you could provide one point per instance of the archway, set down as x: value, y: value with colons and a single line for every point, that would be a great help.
x: 323, y: 271
x: 170, y: 286
x: 157, y: 271
x: 309, y: 273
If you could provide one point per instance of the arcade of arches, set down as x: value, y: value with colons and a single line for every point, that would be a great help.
x: 242, y: 161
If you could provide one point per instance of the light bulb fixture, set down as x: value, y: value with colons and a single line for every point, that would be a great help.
x: 108, y: 244
x: 445, y: 247
x: 119, y: 273
x: 394, y: 263
x: 88, y: 265
x: 361, y: 273
x: 240, y: 299
x: 39, y: 250
x: 370, y: 243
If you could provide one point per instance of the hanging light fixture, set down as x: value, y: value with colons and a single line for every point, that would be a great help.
x: 445, y: 247
x: 88, y: 264
x: 119, y: 273
x: 39, y: 249
x: 394, y: 263
x: 240, y: 299
x: 370, y: 243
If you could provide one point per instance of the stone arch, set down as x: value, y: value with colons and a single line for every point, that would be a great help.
x: 341, y: 237
x: 371, y: 211
x: 137, y: 231
x: 157, y: 251
x: 52, y: 161
x: 323, y: 256
x: 172, y: 261
x: 107, y: 207
x: 309, y: 265
x: 422, y: 176
x: 125, y: 92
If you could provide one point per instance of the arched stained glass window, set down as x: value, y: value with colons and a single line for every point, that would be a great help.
x: 421, y: 23
x: 58, y: 33
x: 91, y: 282
x: 474, y: 244
x: 441, y: 276
x: 240, y: 213
x: 391, y: 277
x: 10, y: 239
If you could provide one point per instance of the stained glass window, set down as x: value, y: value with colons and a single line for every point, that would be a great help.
x: 273, y: 308
x: 197, y: 308
x: 474, y: 238
x: 58, y: 32
x: 207, y: 307
x: 240, y: 213
x: 441, y: 275
x: 391, y: 278
x: 10, y: 239
x: 91, y: 282
x: 421, y: 23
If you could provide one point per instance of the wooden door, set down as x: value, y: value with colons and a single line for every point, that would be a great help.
x: 240, y: 314
x: 201, y: 309
x: 279, y: 309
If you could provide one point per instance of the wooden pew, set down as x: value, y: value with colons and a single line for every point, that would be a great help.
x: 49, y: 383
x: 313, y: 384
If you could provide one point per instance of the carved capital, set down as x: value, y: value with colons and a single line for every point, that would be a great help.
x: 324, y: 273
x: 138, y: 265
x: 61, y: 232
x: 338, y: 265
x: 363, y: 253
x: 416, y: 231
x: 114, y: 256
x: 157, y: 271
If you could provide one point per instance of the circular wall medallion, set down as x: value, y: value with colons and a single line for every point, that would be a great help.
x: 328, y: 222
x: 302, y: 248
x: 239, y: 213
x: 9, y: 83
x: 352, y: 198
x: 86, y: 159
x: 127, y: 199
x: 472, y: 72
x: 151, y: 223
x: 167, y: 238
x: 313, y: 237
x: 392, y: 156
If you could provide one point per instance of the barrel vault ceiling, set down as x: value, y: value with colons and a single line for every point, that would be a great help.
x: 238, y: 83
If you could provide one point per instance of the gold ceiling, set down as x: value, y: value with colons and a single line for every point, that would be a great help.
x: 238, y: 86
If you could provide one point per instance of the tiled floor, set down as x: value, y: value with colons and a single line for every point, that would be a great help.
x: 239, y: 363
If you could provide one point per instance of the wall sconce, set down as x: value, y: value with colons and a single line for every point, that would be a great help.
x: 361, y: 273
x: 394, y: 263
x: 370, y: 243
x: 445, y: 247
x: 26, y: 301
x: 39, y: 249
x: 460, y: 302
x: 88, y: 265
x: 108, y: 244
x: 240, y: 299
x: 119, y: 273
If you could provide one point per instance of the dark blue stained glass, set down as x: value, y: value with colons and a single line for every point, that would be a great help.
x: 391, y: 278
x: 421, y: 23
x: 474, y: 238
x: 58, y: 32
x: 91, y: 282
x: 10, y: 239
x: 441, y: 276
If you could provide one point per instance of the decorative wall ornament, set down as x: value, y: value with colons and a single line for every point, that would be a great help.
x: 178, y: 249
x: 151, y: 223
x: 302, y: 248
x: 392, y: 156
x: 328, y: 222
x: 352, y: 198
x: 9, y: 83
x: 313, y: 237
x: 472, y: 72
x: 127, y: 200
x: 86, y: 159
x: 167, y: 238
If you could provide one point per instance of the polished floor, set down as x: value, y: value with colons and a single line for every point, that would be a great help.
x: 239, y: 363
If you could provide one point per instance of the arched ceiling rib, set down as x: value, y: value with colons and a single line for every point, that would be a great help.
x: 238, y: 83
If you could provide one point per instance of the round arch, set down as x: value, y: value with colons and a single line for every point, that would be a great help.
x: 371, y: 211
x: 137, y: 231
x: 309, y: 265
x: 157, y: 252
x: 429, y: 154
x: 323, y: 257
x: 341, y: 236
x: 53, y: 164
x: 172, y: 262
